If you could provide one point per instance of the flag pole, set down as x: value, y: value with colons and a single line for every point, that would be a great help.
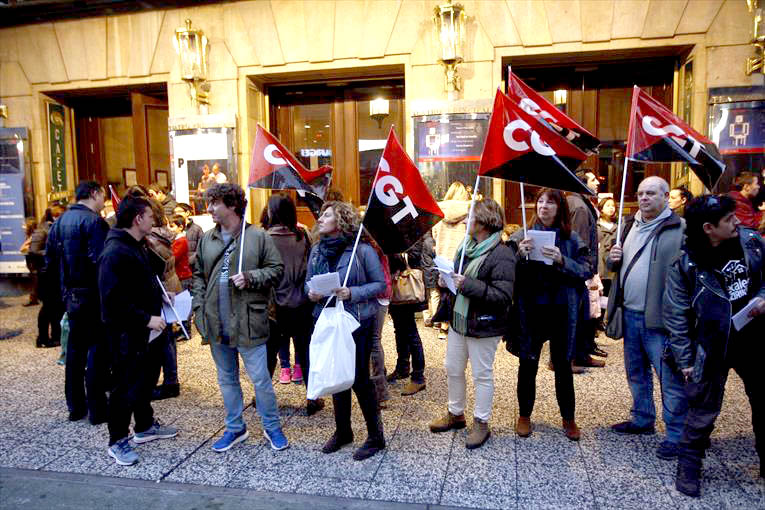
x: 241, y: 245
x: 469, y: 219
x: 523, y: 209
x: 169, y: 302
x: 358, y: 235
x: 621, y: 202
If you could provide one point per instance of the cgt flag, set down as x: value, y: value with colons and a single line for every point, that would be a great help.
x: 401, y: 209
x: 274, y: 167
x: 535, y: 104
x: 520, y: 147
x: 658, y: 135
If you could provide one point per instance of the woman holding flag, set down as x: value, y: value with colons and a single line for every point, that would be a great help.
x: 338, y: 225
x: 478, y: 320
x: 548, y: 290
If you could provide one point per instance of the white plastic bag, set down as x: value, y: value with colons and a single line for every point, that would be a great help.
x: 332, y: 353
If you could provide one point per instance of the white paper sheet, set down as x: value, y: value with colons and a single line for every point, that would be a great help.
x: 541, y: 238
x: 325, y: 283
x: 446, y: 269
x: 182, y: 305
x: 154, y: 334
x: 742, y: 318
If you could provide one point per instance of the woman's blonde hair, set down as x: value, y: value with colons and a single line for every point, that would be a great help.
x: 457, y: 191
x: 348, y: 219
x: 488, y: 213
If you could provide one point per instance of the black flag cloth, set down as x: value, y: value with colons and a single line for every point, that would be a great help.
x: 401, y: 209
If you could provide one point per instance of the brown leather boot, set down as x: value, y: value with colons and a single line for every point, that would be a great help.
x: 571, y: 430
x: 448, y: 422
x: 412, y: 387
x: 523, y: 426
x: 478, y: 435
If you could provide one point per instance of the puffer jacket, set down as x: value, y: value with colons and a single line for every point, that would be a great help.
x: 574, y: 271
x: 263, y: 268
x: 366, y: 280
x: 75, y: 242
x: 697, y: 310
x: 449, y: 233
x: 490, y: 294
x: 160, y: 243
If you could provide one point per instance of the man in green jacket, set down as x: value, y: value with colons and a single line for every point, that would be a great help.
x: 230, y: 307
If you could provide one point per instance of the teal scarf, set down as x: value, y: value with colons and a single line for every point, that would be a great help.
x: 476, y: 253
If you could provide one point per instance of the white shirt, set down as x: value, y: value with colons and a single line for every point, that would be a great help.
x: 220, y: 178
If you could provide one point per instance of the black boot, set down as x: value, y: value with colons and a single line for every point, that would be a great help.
x: 688, y: 478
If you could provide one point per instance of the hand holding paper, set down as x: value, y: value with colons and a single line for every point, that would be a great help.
x: 541, y: 239
x: 445, y: 273
x: 325, y: 284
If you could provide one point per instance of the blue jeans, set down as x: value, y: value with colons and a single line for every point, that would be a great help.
x: 644, y: 347
x: 227, y: 364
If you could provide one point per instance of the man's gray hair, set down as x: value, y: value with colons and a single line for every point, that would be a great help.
x: 663, y: 185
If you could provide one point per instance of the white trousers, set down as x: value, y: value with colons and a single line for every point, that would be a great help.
x: 481, y: 352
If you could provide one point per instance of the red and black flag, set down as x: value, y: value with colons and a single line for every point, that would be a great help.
x: 274, y: 167
x: 401, y: 209
x: 658, y: 135
x: 520, y: 147
x: 535, y: 104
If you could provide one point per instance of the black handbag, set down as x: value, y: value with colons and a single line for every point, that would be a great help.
x: 445, y: 306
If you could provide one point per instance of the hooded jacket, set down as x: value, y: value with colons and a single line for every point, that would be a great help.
x: 697, y: 310
x: 450, y: 232
x: 128, y: 288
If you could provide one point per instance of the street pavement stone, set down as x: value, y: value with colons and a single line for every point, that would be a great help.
x: 603, y: 470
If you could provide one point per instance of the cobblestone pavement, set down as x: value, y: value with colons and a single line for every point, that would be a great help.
x: 603, y: 470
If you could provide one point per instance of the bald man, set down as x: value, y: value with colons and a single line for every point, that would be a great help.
x: 650, y: 242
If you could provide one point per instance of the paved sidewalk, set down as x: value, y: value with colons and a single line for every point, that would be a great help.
x: 603, y: 470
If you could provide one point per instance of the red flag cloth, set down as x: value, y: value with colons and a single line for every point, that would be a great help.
x: 519, y: 147
x: 272, y: 166
x: 401, y: 209
x: 658, y: 135
x: 535, y: 104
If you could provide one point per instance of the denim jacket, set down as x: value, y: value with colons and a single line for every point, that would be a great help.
x: 366, y: 280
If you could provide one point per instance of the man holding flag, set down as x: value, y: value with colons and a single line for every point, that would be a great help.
x: 231, y: 310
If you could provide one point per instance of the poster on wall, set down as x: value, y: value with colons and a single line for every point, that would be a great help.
x: 57, y: 156
x: 201, y: 158
x: 13, y: 151
x: 738, y: 130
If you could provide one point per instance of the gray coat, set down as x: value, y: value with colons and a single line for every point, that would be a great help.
x: 665, y: 249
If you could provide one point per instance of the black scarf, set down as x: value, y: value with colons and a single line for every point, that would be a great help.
x: 330, y: 250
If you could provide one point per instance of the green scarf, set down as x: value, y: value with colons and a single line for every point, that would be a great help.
x: 476, y: 253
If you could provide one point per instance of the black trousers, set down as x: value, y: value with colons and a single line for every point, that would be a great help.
x: 135, y: 370
x: 547, y: 322
x: 705, y: 398
x: 49, y: 320
x: 297, y: 324
x: 408, y: 342
x: 586, y: 329
x: 362, y: 387
x: 87, y: 364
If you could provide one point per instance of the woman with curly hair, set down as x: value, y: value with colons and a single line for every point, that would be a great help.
x: 338, y: 225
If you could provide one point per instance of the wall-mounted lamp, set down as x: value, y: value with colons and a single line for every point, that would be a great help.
x: 191, y: 46
x: 3, y: 111
x: 560, y: 97
x: 378, y: 110
x: 757, y: 62
x: 449, y: 20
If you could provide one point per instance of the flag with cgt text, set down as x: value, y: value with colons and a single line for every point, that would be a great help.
x: 272, y: 166
x: 401, y: 209
x: 657, y: 135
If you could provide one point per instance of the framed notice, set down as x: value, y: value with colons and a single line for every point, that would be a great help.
x: 129, y: 177
x: 56, y: 138
x: 161, y: 177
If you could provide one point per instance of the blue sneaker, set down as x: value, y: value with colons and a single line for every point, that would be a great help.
x: 277, y: 439
x: 156, y: 431
x: 229, y: 439
x: 122, y: 453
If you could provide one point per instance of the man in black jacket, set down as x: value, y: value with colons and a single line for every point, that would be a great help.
x: 74, y: 244
x: 584, y: 221
x: 720, y: 274
x: 131, y: 300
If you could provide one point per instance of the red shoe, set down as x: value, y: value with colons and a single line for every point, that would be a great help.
x: 297, y: 374
x: 285, y: 376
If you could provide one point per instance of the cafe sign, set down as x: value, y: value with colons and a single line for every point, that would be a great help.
x: 57, y: 155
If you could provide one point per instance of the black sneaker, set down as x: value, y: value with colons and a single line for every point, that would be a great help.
x: 369, y: 449
x: 627, y: 427
x: 77, y: 415
x: 166, y: 391
x: 395, y: 376
x: 688, y: 480
x: 667, y: 450
x: 313, y: 406
x: 336, y: 442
